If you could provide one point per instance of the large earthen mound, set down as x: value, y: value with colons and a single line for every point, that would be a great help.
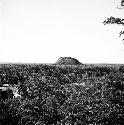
x: 68, y: 61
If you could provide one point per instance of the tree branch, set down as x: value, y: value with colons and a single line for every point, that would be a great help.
x: 113, y: 20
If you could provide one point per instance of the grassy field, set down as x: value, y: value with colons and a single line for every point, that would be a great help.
x: 87, y: 94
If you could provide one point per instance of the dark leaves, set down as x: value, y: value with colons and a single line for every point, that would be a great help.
x: 122, y: 3
x: 113, y: 20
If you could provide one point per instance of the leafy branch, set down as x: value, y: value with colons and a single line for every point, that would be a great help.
x: 113, y: 20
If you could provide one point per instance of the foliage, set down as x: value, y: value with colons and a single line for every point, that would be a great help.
x: 53, y: 95
x: 113, y: 20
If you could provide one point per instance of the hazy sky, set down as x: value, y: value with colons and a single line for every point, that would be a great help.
x: 41, y: 31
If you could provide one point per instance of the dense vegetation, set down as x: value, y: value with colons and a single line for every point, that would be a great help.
x: 63, y: 95
x: 68, y: 60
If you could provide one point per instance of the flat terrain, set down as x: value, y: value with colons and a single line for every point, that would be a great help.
x: 53, y: 94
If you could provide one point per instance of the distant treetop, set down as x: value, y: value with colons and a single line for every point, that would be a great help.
x: 68, y: 61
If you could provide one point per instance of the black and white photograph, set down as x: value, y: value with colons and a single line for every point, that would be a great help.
x: 61, y: 62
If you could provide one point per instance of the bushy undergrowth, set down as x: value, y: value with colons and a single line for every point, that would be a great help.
x: 54, y: 95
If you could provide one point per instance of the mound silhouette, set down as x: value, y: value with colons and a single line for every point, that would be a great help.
x: 68, y: 61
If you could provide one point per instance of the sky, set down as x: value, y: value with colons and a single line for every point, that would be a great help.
x: 41, y: 31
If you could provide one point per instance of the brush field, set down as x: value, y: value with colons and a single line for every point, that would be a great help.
x: 63, y: 94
